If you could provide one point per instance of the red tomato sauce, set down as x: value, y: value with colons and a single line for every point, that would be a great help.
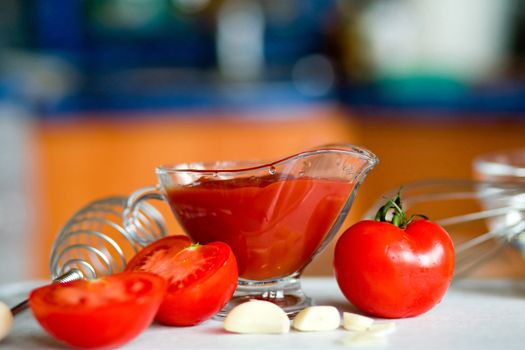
x: 273, y: 225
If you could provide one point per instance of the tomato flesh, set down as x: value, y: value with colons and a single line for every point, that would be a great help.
x: 201, y: 278
x: 157, y: 252
x: 101, y: 313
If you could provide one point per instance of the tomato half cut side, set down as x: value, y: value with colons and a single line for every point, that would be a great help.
x: 201, y: 278
x: 101, y: 313
x: 157, y: 252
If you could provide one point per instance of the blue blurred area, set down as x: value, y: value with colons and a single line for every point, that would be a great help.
x: 80, y: 31
x: 86, y: 32
x: 166, y: 58
x: 205, y: 97
x: 431, y: 95
x: 64, y: 57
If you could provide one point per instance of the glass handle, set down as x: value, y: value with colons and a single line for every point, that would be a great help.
x: 135, y: 217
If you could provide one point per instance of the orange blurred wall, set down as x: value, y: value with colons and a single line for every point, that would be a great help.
x: 88, y: 158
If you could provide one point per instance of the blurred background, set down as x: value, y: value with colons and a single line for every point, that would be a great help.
x: 95, y: 93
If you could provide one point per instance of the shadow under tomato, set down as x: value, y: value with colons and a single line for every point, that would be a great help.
x: 217, y: 327
x: 215, y: 330
x: 32, y: 341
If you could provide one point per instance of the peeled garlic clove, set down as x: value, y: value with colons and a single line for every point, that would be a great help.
x: 6, y: 320
x: 383, y: 328
x: 363, y: 339
x: 356, y: 322
x: 317, y: 318
x: 257, y: 316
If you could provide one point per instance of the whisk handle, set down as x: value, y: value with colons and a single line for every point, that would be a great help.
x: 15, y: 310
x: 71, y: 275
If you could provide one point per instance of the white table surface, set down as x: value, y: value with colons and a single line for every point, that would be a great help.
x: 475, y: 314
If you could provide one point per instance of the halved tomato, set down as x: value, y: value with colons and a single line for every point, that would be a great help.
x: 102, y: 313
x: 201, y: 278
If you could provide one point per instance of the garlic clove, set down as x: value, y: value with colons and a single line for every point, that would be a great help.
x: 6, y: 320
x: 317, y: 318
x: 257, y: 316
x: 356, y: 322
x: 383, y: 328
x: 360, y: 339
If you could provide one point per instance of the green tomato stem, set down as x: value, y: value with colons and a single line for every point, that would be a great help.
x: 394, y: 209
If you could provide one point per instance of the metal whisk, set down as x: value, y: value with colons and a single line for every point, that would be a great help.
x: 94, y: 242
x: 482, y: 217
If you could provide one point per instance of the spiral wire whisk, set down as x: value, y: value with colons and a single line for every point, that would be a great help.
x: 94, y: 241
x: 493, y: 213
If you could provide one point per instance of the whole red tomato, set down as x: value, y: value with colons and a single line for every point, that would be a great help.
x: 394, y: 268
x: 201, y: 278
x: 101, y: 313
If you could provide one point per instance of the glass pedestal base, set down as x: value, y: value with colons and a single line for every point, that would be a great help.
x: 285, y: 292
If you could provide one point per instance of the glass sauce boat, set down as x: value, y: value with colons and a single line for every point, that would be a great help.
x: 275, y: 216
